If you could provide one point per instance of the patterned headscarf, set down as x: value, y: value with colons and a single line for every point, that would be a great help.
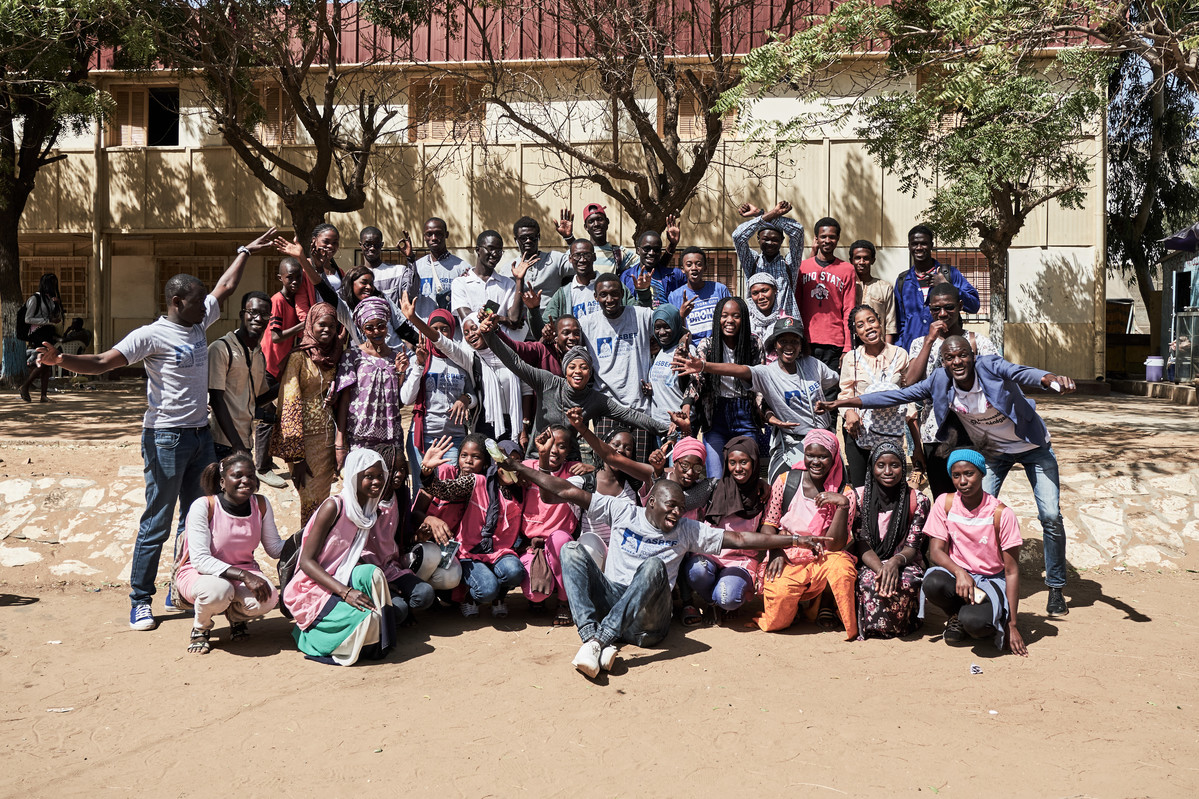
x: 370, y: 310
x: 835, y: 479
x: 325, y: 356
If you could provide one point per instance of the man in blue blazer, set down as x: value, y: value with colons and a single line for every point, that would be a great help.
x: 985, y: 392
x: 912, y: 285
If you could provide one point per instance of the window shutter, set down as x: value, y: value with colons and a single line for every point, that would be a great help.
x: 127, y: 127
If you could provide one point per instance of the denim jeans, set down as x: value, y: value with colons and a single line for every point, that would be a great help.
x: 733, y: 418
x: 638, y: 613
x: 1040, y: 465
x: 174, y: 459
x: 490, y: 582
x: 723, y: 586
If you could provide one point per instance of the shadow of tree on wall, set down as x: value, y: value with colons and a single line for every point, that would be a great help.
x: 1058, y: 287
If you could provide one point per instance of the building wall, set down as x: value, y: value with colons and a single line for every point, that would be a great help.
x: 198, y: 200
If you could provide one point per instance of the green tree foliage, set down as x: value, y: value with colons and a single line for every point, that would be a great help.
x: 46, y: 53
x: 1151, y: 149
x: 966, y: 102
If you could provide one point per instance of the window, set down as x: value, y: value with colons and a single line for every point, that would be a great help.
x: 949, y: 119
x: 691, y: 117
x: 973, y: 265
x: 278, y: 125
x: 441, y: 108
x: 145, y: 117
x: 208, y: 269
x: 72, y: 281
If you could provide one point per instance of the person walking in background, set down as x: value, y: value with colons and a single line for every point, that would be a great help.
x: 43, y: 310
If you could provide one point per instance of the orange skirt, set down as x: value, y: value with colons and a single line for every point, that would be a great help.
x: 807, y: 581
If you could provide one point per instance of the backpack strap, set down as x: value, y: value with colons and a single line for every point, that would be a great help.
x: 911, y: 504
x: 794, y: 480
x: 999, y: 509
x: 948, y: 502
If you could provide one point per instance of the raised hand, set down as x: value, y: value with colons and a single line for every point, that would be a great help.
x: 489, y: 324
x: 657, y: 458
x: 673, y: 232
x: 566, y: 223
x: 405, y: 245
x: 422, y: 354
x: 521, y: 269
x: 681, y: 420
x: 531, y: 298
x: 401, y: 361
x: 292, y: 249
x: 407, y: 307
x: 688, y: 307
x: 576, y: 418
x: 435, y: 454
x: 544, y: 442
x: 643, y: 281
x: 547, y: 333
x: 782, y: 209
x: 748, y: 210
x: 263, y: 241
x: 685, y: 364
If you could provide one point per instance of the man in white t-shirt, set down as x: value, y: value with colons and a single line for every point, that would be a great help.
x: 630, y: 599
x: 619, y: 341
x: 481, y: 285
x: 176, y: 440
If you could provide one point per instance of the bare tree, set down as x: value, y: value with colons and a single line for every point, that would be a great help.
x: 625, y: 100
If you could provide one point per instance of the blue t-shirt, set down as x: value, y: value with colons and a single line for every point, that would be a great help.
x: 699, y: 321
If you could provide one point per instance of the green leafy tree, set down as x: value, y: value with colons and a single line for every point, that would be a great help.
x: 969, y: 106
x: 1151, y: 148
x: 46, y: 53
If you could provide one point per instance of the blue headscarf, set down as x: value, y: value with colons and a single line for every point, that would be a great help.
x: 670, y: 315
x: 969, y: 456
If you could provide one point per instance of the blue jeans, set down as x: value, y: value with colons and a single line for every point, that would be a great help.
x: 1040, y: 465
x: 638, y: 613
x: 490, y: 582
x: 733, y: 417
x: 725, y: 587
x: 174, y: 459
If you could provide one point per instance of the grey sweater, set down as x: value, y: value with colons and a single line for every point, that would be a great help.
x: 555, y: 396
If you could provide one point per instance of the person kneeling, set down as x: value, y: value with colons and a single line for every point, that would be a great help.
x: 340, y: 604
x: 974, y: 545
x: 630, y: 599
x: 217, y: 572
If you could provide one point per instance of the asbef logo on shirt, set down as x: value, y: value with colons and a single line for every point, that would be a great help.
x: 185, y: 355
x: 632, y: 542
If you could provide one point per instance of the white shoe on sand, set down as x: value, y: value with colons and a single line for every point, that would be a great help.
x: 587, y: 661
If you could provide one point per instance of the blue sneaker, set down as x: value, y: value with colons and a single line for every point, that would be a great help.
x: 141, y: 618
x: 171, y: 607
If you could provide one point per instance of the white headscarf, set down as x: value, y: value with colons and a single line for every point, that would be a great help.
x: 760, y: 323
x: 362, y: 516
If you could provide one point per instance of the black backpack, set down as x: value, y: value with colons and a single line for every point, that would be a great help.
x: 23, y: 330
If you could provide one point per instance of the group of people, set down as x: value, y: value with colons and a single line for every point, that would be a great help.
x: 607, y: 430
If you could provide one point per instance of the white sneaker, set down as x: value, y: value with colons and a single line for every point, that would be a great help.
x: 587, y: 661
x: 271, y: 479
x: 607, y: 658
x: 469, y: 609
x: 499, y: 609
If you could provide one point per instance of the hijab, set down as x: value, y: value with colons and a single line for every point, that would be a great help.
x: 729, y: 498
x: 762, y: 323
x: 876, y: 499
x: 325, y: 356
x: 670, y: 315
x: 833, y: 481
x: 361, y: 516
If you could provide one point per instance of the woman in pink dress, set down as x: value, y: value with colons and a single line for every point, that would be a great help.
x: 217, y: 572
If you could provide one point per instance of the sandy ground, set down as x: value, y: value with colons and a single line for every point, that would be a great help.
x: 1105, y: 706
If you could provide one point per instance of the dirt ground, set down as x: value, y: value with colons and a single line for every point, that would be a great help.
x: 1104, y: 706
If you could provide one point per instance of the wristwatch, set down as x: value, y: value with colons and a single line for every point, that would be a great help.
x: 245, y: 249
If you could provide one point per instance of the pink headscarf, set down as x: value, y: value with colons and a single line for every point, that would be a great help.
x: 688, y: 445
x: 835, y: 479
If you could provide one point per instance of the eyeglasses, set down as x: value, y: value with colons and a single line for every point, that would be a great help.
x: 695, y: 468
x: 257, y: 314
x: 587, y: 258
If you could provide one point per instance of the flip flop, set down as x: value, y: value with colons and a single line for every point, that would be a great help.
x: 691, y: 615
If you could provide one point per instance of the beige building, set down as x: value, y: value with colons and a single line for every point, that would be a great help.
x: 156, y: 193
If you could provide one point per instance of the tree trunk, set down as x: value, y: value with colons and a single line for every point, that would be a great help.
x: 305, y: 215
x: 997, y: 261
x: 10, y: 298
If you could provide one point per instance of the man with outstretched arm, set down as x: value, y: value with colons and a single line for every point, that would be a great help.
x: 985, y: 392
x: 630, y: 599
x: 176, y: 440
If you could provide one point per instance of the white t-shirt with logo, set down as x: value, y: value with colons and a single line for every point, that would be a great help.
x: 620, y: 353
x: 176, y: 362
x: 634, y: 540
x: 793, y: 397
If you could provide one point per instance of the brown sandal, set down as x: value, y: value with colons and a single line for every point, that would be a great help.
x: 200, y: 645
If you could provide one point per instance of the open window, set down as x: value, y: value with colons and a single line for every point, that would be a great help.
x: 145, y: 116
x: 442, y: 108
